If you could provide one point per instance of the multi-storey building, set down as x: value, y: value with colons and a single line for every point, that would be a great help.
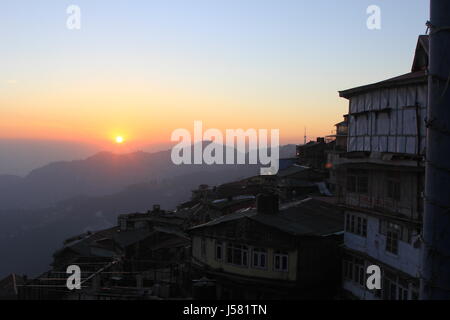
x: 339, y: 147
x: 287, y: 252
x: 313, y: 154
x: 380, y: 180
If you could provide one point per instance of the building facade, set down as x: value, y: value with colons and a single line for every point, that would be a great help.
x: 290, y: 253
x: 380, y: 181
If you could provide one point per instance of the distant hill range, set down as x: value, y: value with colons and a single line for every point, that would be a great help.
x: 62, y: 199
x: 102, y: 174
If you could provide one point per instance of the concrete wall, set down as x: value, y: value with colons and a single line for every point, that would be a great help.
x: 407, y: 259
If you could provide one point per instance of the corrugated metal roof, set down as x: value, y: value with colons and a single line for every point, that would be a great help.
x: 408, y: 78
x: 83, y: 245
x: 128, y: 237
x: 307, y: 217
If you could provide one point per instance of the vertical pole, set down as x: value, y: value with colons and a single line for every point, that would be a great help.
x: 304, y: 138
x: 436, y: 228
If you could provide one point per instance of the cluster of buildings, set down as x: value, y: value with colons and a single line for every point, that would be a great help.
x: 345, y: 202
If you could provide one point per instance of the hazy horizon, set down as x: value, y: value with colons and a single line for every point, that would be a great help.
x: 20, y: 156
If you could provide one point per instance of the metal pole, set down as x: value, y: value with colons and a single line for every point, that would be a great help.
x: 436, y: 228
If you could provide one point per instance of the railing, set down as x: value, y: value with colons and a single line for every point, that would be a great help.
x: 382, y: 205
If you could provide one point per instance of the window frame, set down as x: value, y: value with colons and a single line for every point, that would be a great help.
x: 219, y: 248
x: 358, y: 181
x: 356, y: 224
x: 393, y: 236
x: 394, y: 189
x: 203, y: 247
x: 282, y: 256
x: 359, y: 272
x: 259, y: 253
x: 348, y: 267
x: 238, y: 256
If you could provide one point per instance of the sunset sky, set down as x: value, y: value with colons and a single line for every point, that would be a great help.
x: 141, y: 69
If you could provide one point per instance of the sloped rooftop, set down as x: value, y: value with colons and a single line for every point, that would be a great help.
x: 306, y: 217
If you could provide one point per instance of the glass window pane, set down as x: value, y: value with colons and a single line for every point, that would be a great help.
x: 285, y: 263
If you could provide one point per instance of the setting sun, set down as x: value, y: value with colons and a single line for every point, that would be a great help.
x: 119, y: 139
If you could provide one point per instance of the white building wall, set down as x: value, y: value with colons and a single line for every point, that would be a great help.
x: 358, y: 291
x: 374, y: 245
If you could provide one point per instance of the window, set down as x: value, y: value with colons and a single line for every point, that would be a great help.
x: 347, y: 222
x: 229, y: 253
x: 280, y: 261
x: 356, y: 224
x: 398, y: 288
x: 393, y: 189
x: 360, y: 272
x: 363, y: 184
x: 414, y: 293
x: 393, y: 286
x: 377, y: 292
x: 393, y: 233
x: 402, y: 293
x: 404, y: 233
x: 203, y: 247
x: 359, y: 226
x: 392, y: 242
x: 237, y: 254
x: 259, y: 258
x: 348, y: 268
x: 389, y: 286
x: 351, y: 183
x: 391, y: 290
x: 219, y: 251
x: 354, y: 270
x: 358, y: 181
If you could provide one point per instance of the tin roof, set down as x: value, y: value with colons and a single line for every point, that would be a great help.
x: 302, y: 218
x: 405, y: 79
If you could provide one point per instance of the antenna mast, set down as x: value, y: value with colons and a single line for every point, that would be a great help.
x: 304, y: 140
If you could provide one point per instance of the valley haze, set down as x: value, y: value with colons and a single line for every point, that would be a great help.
x: 61, y: 199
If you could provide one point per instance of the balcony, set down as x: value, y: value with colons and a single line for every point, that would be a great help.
x: 381, y: 206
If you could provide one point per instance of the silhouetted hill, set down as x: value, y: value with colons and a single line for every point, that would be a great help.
x: 101, y: 174
x: 20, y: 156
x: 63, y: 199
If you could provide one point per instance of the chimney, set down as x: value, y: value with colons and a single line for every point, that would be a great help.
x: 267, y: 204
